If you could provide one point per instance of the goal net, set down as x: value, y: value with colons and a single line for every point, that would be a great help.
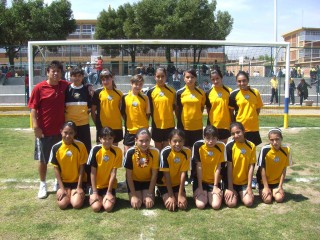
x: 261, y: 60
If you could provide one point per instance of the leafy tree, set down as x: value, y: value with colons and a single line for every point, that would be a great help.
x: 34, y: 20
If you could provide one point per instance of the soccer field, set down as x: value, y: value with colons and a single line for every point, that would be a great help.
x: 23, y: 216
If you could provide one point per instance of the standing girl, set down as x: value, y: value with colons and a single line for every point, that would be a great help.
x: 241, y: 157
x: 135, y: 111
x: 162, y: 98
x: 208, y: 154
x: 245, y: 104
x: 142, y: 163
x: 190, y: 105
x: 273, y: 161
x: 68, y: 158
x: 104, y: 160
x: 105, y: 110
x: 218, y: 106
x: 174, y: 165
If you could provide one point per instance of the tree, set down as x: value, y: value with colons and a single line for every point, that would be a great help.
x: 34, y: 20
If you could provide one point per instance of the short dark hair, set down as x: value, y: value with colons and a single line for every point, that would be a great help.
x: 74, y: 71
x: 55, y: 64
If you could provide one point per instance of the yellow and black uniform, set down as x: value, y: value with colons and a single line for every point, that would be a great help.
x: 274, y: 162
x: 108, y: 110
x: 210, y: 158
x: 134, y: 159
x: 69, y: 158
x: 217, y: 103
x: 78, y: 104
x: 245, y: 104
x: 241, y: 155
x: 134, y: 109
x: 190, y: 104
x: 105, y: 160
x: 175, y: 163
x: 162, y: 100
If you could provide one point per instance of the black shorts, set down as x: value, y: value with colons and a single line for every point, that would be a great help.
x: 223, y: 133
x: 192, y: 137
x: 103, y: 191
x: 160, y: 135
x: 129, y: 139
x: 205, y: 186
x: 118, y: 135
x: 240, y: 188
x: 83, y: 135
x: 253, y: 137
x: 73, y: 185
x: 43, y: 147
x: 163, y: 189
x: 139, y: 186
x: 271, y: 186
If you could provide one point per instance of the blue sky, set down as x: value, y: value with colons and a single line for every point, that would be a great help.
x: 253, y: 19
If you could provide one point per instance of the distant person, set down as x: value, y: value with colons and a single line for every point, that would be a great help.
x: 67, y: 75
x: 176, y: 80
x: 303, y: 90
x: 274, y: 158
x: 104, y: 160
x: 292, y: 88
x: 150, y: 70
x: 99, y: 67
x: 47, y: 115
x: 274, y: 89
x: 206, y: 86
x: 69, y: 157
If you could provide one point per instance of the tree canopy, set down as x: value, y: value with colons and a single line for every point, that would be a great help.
x: 165, y: 19
x: 34, y: 20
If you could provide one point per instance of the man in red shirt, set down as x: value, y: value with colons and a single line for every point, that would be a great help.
x: 47, y: 113
x: 99, y: 67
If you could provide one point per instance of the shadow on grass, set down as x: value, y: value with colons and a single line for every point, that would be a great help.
x: 294, y: 197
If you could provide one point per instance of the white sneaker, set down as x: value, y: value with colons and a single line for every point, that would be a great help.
x: 42, y: 191
x: 55, y: 186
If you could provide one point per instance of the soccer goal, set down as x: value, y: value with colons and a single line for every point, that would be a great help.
x: 261, y: 60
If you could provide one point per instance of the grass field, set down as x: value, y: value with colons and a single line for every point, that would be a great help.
x: 23, y: 216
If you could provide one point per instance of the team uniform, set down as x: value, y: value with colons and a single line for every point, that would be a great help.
x: 175, y: 163
x: 245, y: 104
x: 134, y: 109
x: 69, y: 158
x: 104, y: 160
x: 274, y: 162
x: 241, y: 155
x: 161, y: 107
x: 217, y: 103
x: 48, y: 100
x: 210, y: 158
x: 190, y: 103
x: 141, y: 175
x: 78, y: 105
x: 108, y: 111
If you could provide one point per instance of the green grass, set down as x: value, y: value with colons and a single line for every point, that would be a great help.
x: 23, y: 216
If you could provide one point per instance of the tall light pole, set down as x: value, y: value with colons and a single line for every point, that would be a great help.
x: 275, y: 37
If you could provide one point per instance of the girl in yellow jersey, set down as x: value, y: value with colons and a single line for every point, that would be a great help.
x: 105, y: 109
x: 245, y: 104
x: 208, y: 154
x: 174, y: 164
x: 135, y: 111
x: 68, y: 158
x: 189, y: 108
x: 104, y: 160
x: 162, y: 105
x: 142, y: 163
x: 218, y: 105
x: 273, y: 161
x: 241, y: 157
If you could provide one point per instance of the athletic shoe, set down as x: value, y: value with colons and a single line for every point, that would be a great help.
x: 254, y: 184
x: 186, y: 183
x: 42, y: 191
x: 56, y: 185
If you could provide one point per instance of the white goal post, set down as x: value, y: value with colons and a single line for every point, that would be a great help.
x: 285, y: 45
